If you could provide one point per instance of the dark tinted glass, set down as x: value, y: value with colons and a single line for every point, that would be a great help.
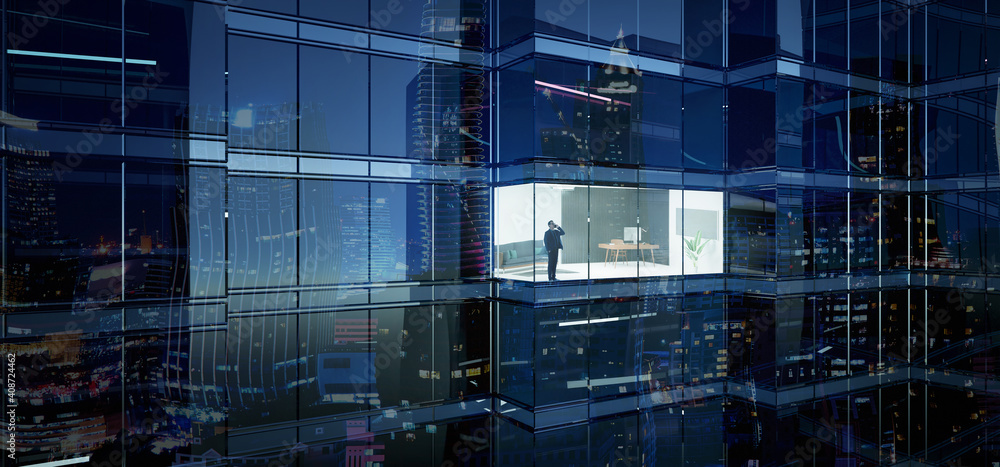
x: 173, y: 87
x: 516, y: 98
x: 660, y: 28
x: 609, y: 18
x: 831, y: 34
x: 355, y: 12
x: 865, y: 32
x: 864, y: 137
x: 827, y: 128
x: 753, y: 27
x: 393, y: 120
x: 403, y: 16
x: 704, y: 26
x: 283, y: 6
x: 66, y: 68
x: 702, y: 131
x: 659, y: 125
x: 566, y: 19
x: 516, y: 19
x: 333, y: 90
x: 794, y: 28
x: 752, y: 142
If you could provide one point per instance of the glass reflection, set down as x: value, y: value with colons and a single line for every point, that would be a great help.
x: 63, y: 247
x: 68, y: 398
x: 703, y: 367
x: 211, y: 308
x: 176, y: 396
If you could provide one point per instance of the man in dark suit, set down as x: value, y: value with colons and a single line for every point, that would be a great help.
x: 552, y: 244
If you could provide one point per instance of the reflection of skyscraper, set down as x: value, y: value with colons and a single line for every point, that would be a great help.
x: 41, y: 265
x: 447, y: 126
x: 618, y: 86
x: 448, y: 115
x: 353, y: 235
x: 31, y: 196
x: 609, y: 106
x: 266, y: 212
x: 384, y: 250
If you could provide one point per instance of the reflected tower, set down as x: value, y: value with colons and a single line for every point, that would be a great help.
x: 617, y: 85
x: 447, y: 126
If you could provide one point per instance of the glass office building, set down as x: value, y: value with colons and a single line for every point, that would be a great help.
x: 312, y: 232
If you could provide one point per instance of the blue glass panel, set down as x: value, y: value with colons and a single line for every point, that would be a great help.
x: 262, y: 99
x: 333, y: 90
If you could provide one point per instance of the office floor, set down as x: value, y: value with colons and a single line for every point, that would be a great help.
x: 598, y: 270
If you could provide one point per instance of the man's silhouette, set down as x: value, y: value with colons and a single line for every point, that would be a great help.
x: 552, y: 244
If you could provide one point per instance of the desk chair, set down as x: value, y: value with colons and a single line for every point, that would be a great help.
x: 614, y: 241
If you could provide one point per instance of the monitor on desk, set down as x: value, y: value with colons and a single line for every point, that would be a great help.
x: 632, y: 235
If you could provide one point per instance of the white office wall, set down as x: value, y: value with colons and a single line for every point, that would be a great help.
x: 522, y: 211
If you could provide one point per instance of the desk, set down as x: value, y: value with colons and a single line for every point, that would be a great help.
x: 618, y: 248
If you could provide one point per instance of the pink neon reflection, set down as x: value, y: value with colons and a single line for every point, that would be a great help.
x: 579, y: 93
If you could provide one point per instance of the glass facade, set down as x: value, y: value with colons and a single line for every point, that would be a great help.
x: 318, y: 233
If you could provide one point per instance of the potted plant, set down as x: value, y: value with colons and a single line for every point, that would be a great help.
x: 694, y: 247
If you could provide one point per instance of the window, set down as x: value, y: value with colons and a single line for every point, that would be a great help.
x: 262, y: 94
